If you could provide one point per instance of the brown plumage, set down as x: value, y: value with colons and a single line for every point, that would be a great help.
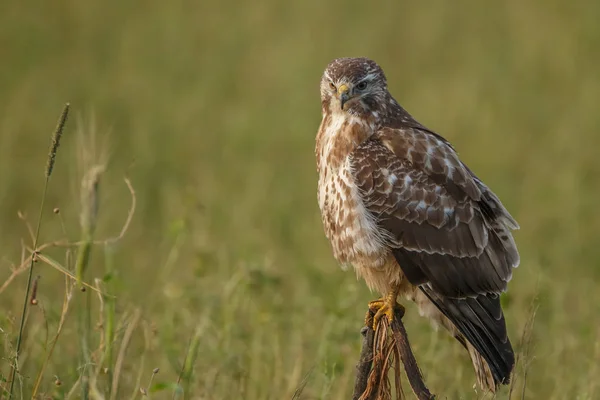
x: 400, y: 207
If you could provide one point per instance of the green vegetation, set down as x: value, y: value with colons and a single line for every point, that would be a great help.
x: 224, y: 280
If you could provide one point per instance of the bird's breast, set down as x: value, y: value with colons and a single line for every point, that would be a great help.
x: 352, y: 230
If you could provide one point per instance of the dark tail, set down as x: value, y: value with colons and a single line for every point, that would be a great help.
x: 483, y: 333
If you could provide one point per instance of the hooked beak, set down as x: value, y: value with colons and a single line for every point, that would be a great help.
x: 344, y: 93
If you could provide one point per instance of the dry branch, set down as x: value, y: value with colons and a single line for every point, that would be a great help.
x: 415, y: 378
x: 371, y: 381
x: 363, y: 367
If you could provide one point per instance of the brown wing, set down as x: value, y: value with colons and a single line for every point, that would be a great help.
x: 447, y: 230
x: 444, y: 225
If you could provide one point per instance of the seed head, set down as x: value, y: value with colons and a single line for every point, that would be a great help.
x: 56, y: 140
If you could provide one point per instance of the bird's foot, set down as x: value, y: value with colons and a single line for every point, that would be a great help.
x: 386, y: 306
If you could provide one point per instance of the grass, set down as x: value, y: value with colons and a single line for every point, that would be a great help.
x: 32, y: 290
x: 223, y: 279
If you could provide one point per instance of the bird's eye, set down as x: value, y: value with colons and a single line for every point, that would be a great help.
x: 362, y: 85
x: 331, y: 86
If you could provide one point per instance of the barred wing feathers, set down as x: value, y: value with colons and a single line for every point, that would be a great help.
x: 449, y: 233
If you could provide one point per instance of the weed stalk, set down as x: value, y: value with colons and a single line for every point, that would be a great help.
x: 89, y: 212
x: 49, y: 168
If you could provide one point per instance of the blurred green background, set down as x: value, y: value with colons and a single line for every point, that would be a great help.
x: 211, y: 109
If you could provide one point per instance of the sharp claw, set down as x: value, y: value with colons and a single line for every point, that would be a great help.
x: 383, y: 307
x: 385, y: 310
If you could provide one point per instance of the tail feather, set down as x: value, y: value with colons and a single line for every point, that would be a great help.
x: 485, y: 378
x: 482, y: 330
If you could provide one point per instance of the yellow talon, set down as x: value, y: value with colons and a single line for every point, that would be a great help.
x: 385, y: 306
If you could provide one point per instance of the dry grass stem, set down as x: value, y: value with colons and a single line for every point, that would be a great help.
x: 122, y: 350
x: 49, y: 167
x: 23, y: 218
x: 66, y: 272
x: 526, y: 345
x: 65, y: 243
x: 63, y: 316
x: 130, y: 214
x: 142, y: 364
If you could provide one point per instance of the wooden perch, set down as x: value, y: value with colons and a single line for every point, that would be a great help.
x: 415, y: 378
x: 363, y: 368
x: 371, y: 370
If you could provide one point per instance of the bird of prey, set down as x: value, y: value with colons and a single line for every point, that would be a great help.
x: 413, y: 220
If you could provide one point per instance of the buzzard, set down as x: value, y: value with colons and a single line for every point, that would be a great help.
x: 413, y: 220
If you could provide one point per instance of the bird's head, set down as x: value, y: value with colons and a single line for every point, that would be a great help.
x: 353, y: 85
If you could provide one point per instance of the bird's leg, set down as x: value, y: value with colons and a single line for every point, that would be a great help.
x: 386, y: 306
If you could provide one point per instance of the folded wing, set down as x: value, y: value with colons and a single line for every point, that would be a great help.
x: 449, y: 233
x: 437, y: 217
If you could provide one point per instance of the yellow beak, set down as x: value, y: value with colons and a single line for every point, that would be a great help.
x: 344, y: 93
